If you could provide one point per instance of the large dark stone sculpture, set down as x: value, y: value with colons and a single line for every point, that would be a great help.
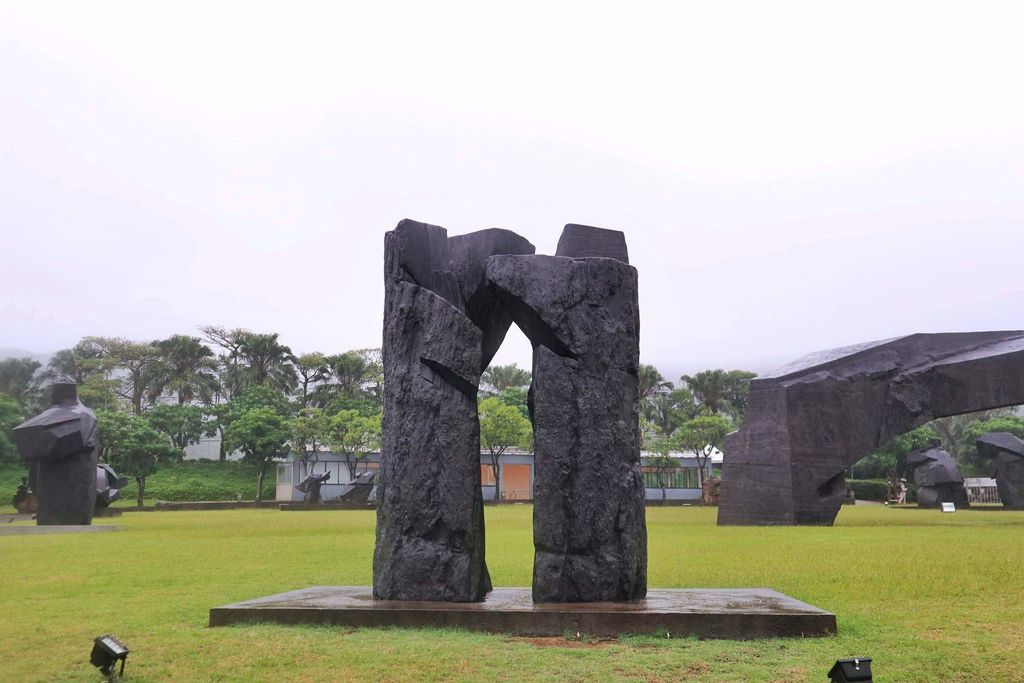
x: 1005, y: 452
x: 808, y: 422
x: 359, y: 489
x: 61, y: 445
x: 441, y: 329
x: 937, y: 477
x: 580, y: 311
x: 310, y: 487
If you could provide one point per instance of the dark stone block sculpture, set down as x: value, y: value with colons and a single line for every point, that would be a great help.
x: 580, y: 311
x: 808, y: 422
x: 1005, y: 453
x: 441, y: 330
x: 61, y: 445
x: 310, y: 487
x: 108, y: 485
x: 359, y: 489
x: 937, y: 477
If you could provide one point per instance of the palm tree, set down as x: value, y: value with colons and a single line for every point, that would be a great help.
x: 498, y: 378
x: 651, y: 382
x: 710, y: 388
x: 312, y: 370
x: 186, y: 368
x: 264, y: 361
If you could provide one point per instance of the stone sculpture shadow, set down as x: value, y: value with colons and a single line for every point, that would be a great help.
x: 808, y: 422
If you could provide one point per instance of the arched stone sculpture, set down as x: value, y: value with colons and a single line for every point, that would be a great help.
x: 448, y: 303
x: 808, y: 422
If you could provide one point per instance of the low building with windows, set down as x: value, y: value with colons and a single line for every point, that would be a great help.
x: 515, y: 480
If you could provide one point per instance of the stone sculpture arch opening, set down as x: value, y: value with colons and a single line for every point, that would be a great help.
x: 809, y: 421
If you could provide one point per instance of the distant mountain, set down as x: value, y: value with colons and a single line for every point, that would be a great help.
x: 22, y: 353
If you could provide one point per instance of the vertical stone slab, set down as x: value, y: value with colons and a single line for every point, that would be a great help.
x: 430, y: 527
x: 581, y: 315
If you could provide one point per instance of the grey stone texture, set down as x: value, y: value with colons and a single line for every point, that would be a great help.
x: 1005, y: 453
x: 806, y: 423
x: 61, y: 446
x: 440, y: 331
x: 582, y: 316
x: 937, y: 477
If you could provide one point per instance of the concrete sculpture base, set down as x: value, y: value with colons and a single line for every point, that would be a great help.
x: 706, y: 613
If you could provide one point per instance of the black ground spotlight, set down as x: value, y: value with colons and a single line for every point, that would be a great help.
x: 850, y: 670
x: 106, y: 651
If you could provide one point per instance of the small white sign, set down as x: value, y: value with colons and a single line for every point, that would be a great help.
x: 948, y: 507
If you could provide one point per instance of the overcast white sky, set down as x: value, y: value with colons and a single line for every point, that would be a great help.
x: 789, y: 176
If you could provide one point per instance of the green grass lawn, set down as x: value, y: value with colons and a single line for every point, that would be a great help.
x: 930, y: 597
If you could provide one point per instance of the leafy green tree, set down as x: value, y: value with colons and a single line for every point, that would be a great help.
x: 312, y: 369
x: 79, y: 362
x: 497, y: 378
x: 98, y: 392
x: 518, y: 398
x: 310, y: 430
x: 737, y: 393
x: 220, y: 415
x: 265, y: 361
x: 186, y: 369
x: 182, y: 424
x: 354, y: 436
x: 18, y: 378
x: 502, y: 427
x: 263, y: 436
x: 11, y: 415
x: 133, y: 447
x: 701, y: 436
x: 952, y: 431
x: 888, y: 460
x: 662, y: 461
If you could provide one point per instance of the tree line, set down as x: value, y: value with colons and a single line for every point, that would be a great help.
x: 156, y: 399
x: 153, y: 400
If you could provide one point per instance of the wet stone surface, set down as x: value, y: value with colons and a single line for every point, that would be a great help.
x: 706, y: 613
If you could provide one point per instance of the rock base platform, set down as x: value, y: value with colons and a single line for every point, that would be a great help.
x: 739, y: 614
